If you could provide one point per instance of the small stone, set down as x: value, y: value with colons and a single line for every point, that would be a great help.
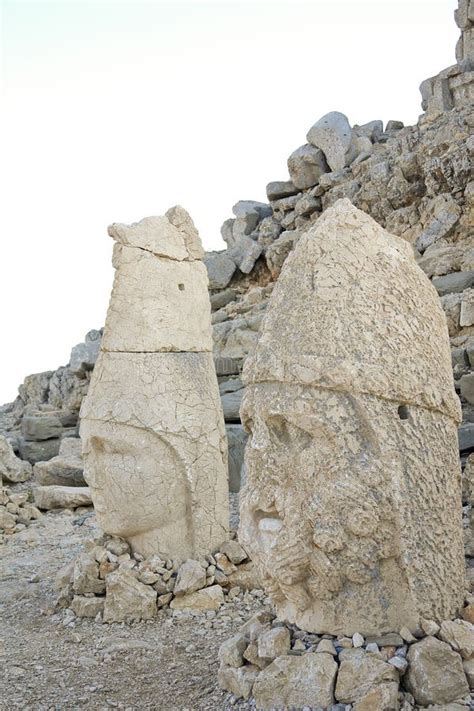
x: 238, y: 681
x: 234, y: 552
x: 191, y: 577
x: 429, y: 627
x: 459, y: 635
x: 306, y: 165
x: 399, y: 663
x: 281, y: 189
x: 326, y: 646
x: 117, y: 546
x: 372, y: 647
x: 299, y: 646
x: 333, y: 135
x: 357, y: 640
x: 435, y: 674
x: 224, y: 564
x: 62, y: 497
x: 407, y: 636
x: 85, y: 577
x: 127, y: 599
x: 207, y: 599
x: 359, y: 673
x: 274, y: 643
x: 386, y: 640
x: 295, y: 682
x: 232, y: 650
x: 87, y: 606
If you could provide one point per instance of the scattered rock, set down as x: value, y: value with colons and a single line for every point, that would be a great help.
x: 435, y: 674
x: 208, y: 599
x: 11, y: 468
x: 297, y: 682
x: 127, y: 599
x: 333, y: 135
x: 62, y: 497
x: 191, y: 577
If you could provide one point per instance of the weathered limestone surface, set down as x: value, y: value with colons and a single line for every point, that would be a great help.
x: 352, y: 417
x: 152, y: 427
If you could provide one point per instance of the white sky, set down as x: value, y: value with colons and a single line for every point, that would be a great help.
x: 113, y: 111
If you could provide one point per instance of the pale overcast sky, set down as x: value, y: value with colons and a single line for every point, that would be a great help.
x: 117, y: 110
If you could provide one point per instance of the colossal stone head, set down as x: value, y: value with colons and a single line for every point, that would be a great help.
x: 152, y: 425
x: 351, y: 509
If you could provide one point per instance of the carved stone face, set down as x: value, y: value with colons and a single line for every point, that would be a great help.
x: 316, y: 512
x: 138, y: 483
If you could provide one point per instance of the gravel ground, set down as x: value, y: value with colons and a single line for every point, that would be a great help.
x: 50, y: 662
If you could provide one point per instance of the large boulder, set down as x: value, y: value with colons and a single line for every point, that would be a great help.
x: 306, y: 165
x: 333, y: 135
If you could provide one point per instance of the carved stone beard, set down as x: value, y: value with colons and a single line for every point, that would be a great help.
x: 320, y: 510
x: 127, y: 467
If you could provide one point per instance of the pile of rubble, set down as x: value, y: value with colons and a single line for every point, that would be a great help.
x: 281, y: 666
x: 17, y: 512
x: 110, y: 583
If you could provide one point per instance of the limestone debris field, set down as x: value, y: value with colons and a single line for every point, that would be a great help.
x: 253, y: 488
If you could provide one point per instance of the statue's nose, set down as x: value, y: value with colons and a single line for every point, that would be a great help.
x: 259, y: 439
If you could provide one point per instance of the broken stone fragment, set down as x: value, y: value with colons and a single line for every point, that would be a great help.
x: 62, y: 497
x: 210, y: 598
x: 191, y: 577
x: 127, y: 599
x: 11, y: 467
x: 333, y: 135
x: 296, y: 682
x: 231, y: 651
x: 66, y: 469
x: 220, y: 269
x: 306, y: 165
x: 87, y: 606
x: 41, y: 426
x: 435, y: 673
x: 359, y: 673
x: 238, y: 681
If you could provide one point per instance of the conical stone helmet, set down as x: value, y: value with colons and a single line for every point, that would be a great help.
x: 353, y: 312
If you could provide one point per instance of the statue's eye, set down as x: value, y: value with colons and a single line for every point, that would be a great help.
x: 279, y: 429
x: 247, y: 424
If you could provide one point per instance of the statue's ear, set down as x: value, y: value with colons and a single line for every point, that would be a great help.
x: 97, y: 444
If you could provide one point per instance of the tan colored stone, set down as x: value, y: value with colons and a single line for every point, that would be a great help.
x: 352, y: 416
x: 382, y: 698
x: 87, y: 606
x: 210, y: 598
x: 238, y: 681
x: 62, y: 497
x: 157, y: 304
x: 150, y: 425
x: 459, y: 635
x: 153, y: 434
x: 127, y: 599
x: 274, y: 643
x: 435, y: 673
x: 359, y: 673
x: 160, y: 237
x: 11, y: 467
x: 294, y: 682
x: 191, y: 577
x: 231, y: 651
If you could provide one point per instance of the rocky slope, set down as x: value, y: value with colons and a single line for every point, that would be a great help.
x: 416, y: 181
